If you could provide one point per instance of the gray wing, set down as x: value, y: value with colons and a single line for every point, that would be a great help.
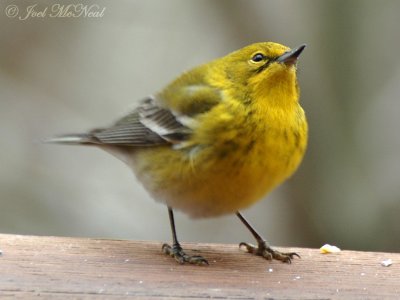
x: 151, y: 124
x: 148, y: 125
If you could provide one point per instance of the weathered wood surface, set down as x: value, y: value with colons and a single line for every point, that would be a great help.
x: 76, y: 268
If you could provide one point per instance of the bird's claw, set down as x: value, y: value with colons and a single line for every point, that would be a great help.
x: 264, y: 250
x: 181, y: 257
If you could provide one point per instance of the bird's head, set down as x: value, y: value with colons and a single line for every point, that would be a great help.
x: 264, y: 70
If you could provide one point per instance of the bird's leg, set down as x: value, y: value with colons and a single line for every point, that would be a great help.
x: 263, y: 248
x: 176, y: 250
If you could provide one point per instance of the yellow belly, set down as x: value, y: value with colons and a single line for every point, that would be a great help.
x: 206, y: 181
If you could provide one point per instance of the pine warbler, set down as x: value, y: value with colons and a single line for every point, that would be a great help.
x: 216, y: 139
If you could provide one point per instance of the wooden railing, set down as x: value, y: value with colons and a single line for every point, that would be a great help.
x: 78, y: 268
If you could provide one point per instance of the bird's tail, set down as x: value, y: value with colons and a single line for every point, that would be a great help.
x: 73, y: 139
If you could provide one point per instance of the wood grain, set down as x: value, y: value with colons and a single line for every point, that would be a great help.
x: 76, y: 268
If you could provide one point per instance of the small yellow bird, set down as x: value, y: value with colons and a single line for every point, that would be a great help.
x: 216, y: 139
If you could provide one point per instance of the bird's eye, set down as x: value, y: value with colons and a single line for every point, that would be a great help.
x: 258, y: 57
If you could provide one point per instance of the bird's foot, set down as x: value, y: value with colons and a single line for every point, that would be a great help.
x: 181, y: 257
x: 264, y: 250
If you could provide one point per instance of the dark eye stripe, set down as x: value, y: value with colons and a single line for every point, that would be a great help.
x: 264, y: 66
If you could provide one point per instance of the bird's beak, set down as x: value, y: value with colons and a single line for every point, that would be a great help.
x: 290, y: 57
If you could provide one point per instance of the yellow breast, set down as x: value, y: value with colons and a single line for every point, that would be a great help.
x: 230, y: 165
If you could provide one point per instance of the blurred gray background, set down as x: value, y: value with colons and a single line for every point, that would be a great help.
x: 60, y: 75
